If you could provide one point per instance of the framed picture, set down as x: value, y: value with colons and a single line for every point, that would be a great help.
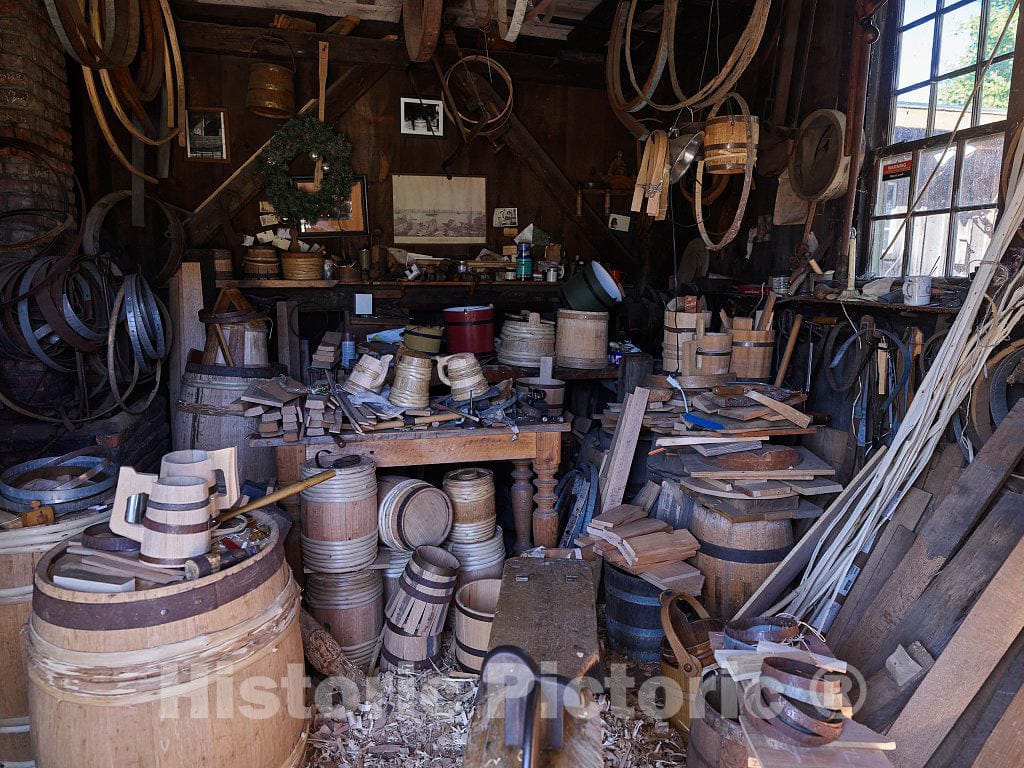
x: 349, y: 218
x: 207, y: 136
x: 438, y: 210
x: 421, y: 117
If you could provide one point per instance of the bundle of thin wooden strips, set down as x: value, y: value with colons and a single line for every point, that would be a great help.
x: 873, y: 495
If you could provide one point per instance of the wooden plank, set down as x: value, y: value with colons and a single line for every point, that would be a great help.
x: 939, y: 537
x: 809, y: 466
x: 771, y: 753
x: 974, y: 650
x: 186, y: 299
x: 801, y: 419
x: 615, y: 472
x: 1005, y: 745
x: 816, y: 487
x: 287, y: 339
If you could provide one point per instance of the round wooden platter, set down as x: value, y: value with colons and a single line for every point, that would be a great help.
x: 768, y: 458
x: 701, y: 486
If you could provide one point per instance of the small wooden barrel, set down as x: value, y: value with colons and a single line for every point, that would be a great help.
x: 551, y: 391
x: 525, y: 342
x: 271, y: 91
x: 20, y: 550
x: 752, y: 353
x: 302, y: 266
x: 726, y: 145
x: 403, y: 650
x: 714, y: 353
x: 472, y: 495
x: 475, y: 604
x: 411, y: 386
x: 736, y: 558
x: 423, y: 338
x: 716, y: 737
x: 261, y: 263
x: 339, y: 517
x: 412, y: 513
x: 350, y: 607
x: 581, y: 339
x: 223, y: 265
x: 166, y: 675
x: 470, y: 329
x: 424, y: 592
x: 681, y: 328
x: 480, y: 560
x: 632, y: 615
x: 397, y: 560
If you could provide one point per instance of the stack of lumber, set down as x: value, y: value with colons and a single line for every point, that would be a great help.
x: 328, y: 353
x: 315, y: 421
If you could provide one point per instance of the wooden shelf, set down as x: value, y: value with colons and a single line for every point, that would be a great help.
x: 276, y: 283
x: 321, y: 284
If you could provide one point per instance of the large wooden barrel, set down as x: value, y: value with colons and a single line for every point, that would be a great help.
x: 632, y: 615
x: 714, y: 353
x: 481, y: 559
x: 471, y: 492
x: 420, y: 604
x: 339, y: 517
x: 581, y: 339
x: 203, y: 418
x: 403, y: 650
x: 736, y: 558
x: 412, y: 513
x: 716, y: 737
x: 475, y: 604
x: 752, y: 353
x: 169, y: 676
x: 20, y: 550
x: 525, y: 341
x: 351, y: 607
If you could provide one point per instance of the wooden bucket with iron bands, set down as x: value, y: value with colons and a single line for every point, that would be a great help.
x: 716, y: 737
x: 752, y: 353
x: 471, y: 491
x: 412, y: 513
x: 581, y: 339
x: 470, y: 329
x: 271, y: 91
x: 725, y: 143
x: 714, y: 353
x: 404, y: 650
x: 351, y: 607
x: 475, y: 604
x: 420, y: 604
x: 147, y: 677
x: 632, y: 615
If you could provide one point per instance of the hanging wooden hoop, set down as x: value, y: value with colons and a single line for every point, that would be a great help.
x: 493, y: 123
x: 624, y: 13
x: 421, y: 22
x: 509, y: 27
x: 748, y: 175
x: 716, y: 191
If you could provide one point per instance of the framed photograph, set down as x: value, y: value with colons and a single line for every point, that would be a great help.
x: 421, y: 117
x: 438, y: 210
x: 349, y: 219
x: 207, y: 136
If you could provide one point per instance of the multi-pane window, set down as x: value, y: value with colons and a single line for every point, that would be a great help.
x: 942, y: 47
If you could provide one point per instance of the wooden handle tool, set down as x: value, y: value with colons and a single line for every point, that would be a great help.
x: 787, y: 355
x: 276, y: 496
x: 767, y: 312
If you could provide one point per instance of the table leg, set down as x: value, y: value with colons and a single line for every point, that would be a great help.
x: 289, y: 460
x: 522, y: 503
x: 545, y: 464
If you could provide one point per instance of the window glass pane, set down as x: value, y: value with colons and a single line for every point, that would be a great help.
x: 958, y: 46
x: 893, y: 185
x: 938, y: 194
x: 995, y: 92
x: 915, y: 55
x: 983, y: 163
x: 973, y: 233
x: 915, y: 9
x: 928, y: 241
x: 886, y: 255
x: 997, y: 12
x: 910, y: 120
x: 952, y: 94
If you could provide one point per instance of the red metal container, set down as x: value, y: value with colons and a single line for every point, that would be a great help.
x: 470, y: 329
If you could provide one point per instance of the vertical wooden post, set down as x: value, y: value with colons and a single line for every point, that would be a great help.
x: 522, y: 503
x: 545, y: 465
x: 186, y: 299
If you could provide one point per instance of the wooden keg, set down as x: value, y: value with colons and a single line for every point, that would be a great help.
x: 302, y: 266
x: 726, y: 145
x: 525, y: 341
x: 716, y: 737
x: 581, y: 339
x: 472, y: 495
x: 714, y: 353
x: 475, y: 604
x: 420, y: 604
x: 261, y: 263
x: 397, y: 560
x: 752, y: 353
x: 403, y: 650
x: 481, y: 559
x: 351, y: 607
x: 166, y: 676
x: 736, y: 558
x: 412, y: 513
x: 632, y: 615
x: 204, y: 419
x: 271, y: 91
x: 339, y: 517
x: 20, y: 550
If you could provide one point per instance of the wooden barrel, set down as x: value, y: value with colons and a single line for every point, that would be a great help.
x: 20, y: 550
x: 684, y: 326
x: 470, y: 329
x: 581, y: 339
x: 632, y: 615
x: 351, y: 607
x: 412, y: 513
x: 471, y: 492
x: 725, y: 143
x: 480, y: 560
x: 420, y: 604
x: 223, y: 264
x: 397, y: 560
x: 716, y: 737
x: 271, y: 91
x: 302, y: 266
x: 475, y: 604
x: 525, y: 341
x: 752, y: 353
x: 204, y: 419
x: 550, y: 391
x: 403, y: 650
x: 423, y: 338
x: 339, y: 517
x: 736, y: 558
x: 261, y: 263
x: 166, y: 676
x: 714, y: 353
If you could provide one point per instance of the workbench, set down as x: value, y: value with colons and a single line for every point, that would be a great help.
x: 539, y: 445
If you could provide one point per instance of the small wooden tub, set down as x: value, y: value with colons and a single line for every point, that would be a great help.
x: 475, y: 604
x: 752, y: 353
x: 471, y: 491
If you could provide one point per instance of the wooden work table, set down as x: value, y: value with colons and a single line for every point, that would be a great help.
x: 537, y: 444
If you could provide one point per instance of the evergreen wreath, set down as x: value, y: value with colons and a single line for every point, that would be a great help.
x: 306, y: 134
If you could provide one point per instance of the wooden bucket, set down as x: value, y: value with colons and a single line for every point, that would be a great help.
x: 525, y: 341
x: 725, y: 143
x: 681, y: 358
x: 397, y: 560
x: 339, y: 517
x: 420, y: 604
x: 261, y: 263
x: 550, y: 391
x: 714, y: 353
x: 203, y: 417
x: 403, y: 650
x: 271, y: 91
x: 247, y: 343
x: 736, y: 558
x: 472, y: 495
x: 480, y: 560
x: 412, y: 513
x: 716, y: 737
x: 302, y: 266
x: 632, y: 615
x: 475, y: 604
x: 423, y: 338
x: 165, y: 676
x: 351, y: 608
x: 752, y: 353
x: 690, y: 642
x: 470, y: 329
x: 680, y: 329
x: 20, y: 550
x: 581, y: 339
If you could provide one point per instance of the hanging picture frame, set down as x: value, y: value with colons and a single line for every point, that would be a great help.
x: 421, y: 117
x: 206, y: 135
x: 350, y: 218
x: 437, y: 210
